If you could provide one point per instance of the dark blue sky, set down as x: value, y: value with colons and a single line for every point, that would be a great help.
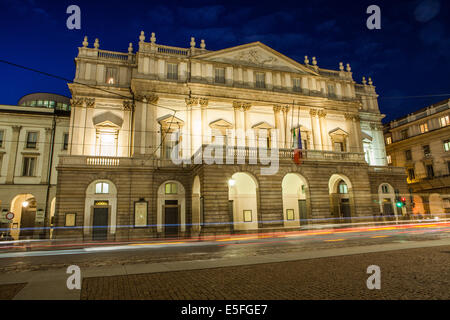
x: 409, y: 56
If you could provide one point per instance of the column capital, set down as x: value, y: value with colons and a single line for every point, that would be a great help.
x: 76, y: 102
x: 203, y: 102
x: 16, y: 128
x: 191, y: 101
x: 243, y: 106
x: 322, y: 113
x: 148, y: 98
x: 90, y: 102
x: 127, y: 105
x: 349, y: 116
x: 313, y: 112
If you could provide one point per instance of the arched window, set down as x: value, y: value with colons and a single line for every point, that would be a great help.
x: 385, y: 188
x: 342, y: 187
x: 102, y: 187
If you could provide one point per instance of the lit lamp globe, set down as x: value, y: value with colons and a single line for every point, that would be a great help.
x: 231, y: 182
x: 25, y: 204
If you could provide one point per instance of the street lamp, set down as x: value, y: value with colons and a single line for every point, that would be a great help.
x: 25, y: 204
x: 231, y: 182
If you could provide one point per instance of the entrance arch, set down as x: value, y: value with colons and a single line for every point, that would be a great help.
x: 295, y: 200
x: 341, y: 197
x: 386, y: 197
x: 197, y: 207
x: 100, y: 210
x: 24, y: 208
x: 171, y: 209
x: 242, y: 194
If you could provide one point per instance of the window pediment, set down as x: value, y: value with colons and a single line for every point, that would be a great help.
x: 220, y: 124
x: 108, y: 120
x: 172, y: 122
x: 338, y: 132
x: 262, y: 125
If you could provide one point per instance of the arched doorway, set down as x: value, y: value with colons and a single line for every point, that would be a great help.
x: 24, y: 208
x: 386, y: 196
x: 295, y: 198
x: 242, y: 196
x: 341, y: 198
x: 100, y: 210
x: 171, y: 210
x: 197, y: 207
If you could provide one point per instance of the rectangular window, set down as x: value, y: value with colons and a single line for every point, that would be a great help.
x: 111, y: 75
x: 331, y: 90
x: 296, y: 84
x: 408, y: 155
x: 219, y: 75
x: 171, y: 188
x: 389, y: 159
x: 426, y: 151
x: 447, y: 145
x: 445, y: 121
x: 388, y: 140
x: 424, y: 127
x: 2, y: 135
x: 28, y: 166
x: 404, y: 134
x: 65, y: 141
x: 31, y: 140
x: 260, y: 80
x: 411, y: 174
x: 172, y: 71
x: 430, y: 171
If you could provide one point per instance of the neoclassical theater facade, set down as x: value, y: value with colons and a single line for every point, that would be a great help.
x: 142, y: 125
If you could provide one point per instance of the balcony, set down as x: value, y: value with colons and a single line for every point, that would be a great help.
x: 233, y: 154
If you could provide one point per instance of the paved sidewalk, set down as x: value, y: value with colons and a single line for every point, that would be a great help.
x: 52, y: 284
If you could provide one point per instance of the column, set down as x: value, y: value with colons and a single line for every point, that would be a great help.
x: 326, y: 145
x: 203, y: 105
x: 189, y: 104
x: 287, y: 127
x: 13, y: 154
x: 315, y: 127
x: 245, y: 108
x: 357, y: 133
x: 46, y: 155
x: 352, y: 136
x: 278, y: 120
x: 283, y: 128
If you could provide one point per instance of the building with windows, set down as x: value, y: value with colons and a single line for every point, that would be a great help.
x: 171, y: 141
x: 420, y: 142
x: 33, y: 135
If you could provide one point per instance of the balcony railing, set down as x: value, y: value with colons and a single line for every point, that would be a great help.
x: 231, y: 154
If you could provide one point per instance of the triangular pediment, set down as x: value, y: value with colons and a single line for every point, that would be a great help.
x: 256, y: 54
x: 338, y: 131
x: 107, y: 120
x: 221, y: 123
x: 170, y: 121
x: 262, y: 125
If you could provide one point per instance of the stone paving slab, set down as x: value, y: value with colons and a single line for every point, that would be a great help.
x: 51, y: 284
x: 8, y: 291
x: 420, y: 273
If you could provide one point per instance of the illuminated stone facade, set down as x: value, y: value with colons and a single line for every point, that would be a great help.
x: 126, y: 108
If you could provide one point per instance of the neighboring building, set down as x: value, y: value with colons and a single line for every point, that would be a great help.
x: 420, y: 142
x: 125, y: 107
x: 32, y: 137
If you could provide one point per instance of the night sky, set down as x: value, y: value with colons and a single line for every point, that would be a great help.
x: 409, y: 56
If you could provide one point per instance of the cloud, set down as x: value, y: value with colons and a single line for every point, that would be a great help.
x: 161, y: 15
x: 427, y: 10
x: 329, y: 25
x: 201, y: 16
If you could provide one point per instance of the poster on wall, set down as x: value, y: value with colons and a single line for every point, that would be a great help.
x: 140, y: 214
x: 40, y: 216
x: 70, y: 219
